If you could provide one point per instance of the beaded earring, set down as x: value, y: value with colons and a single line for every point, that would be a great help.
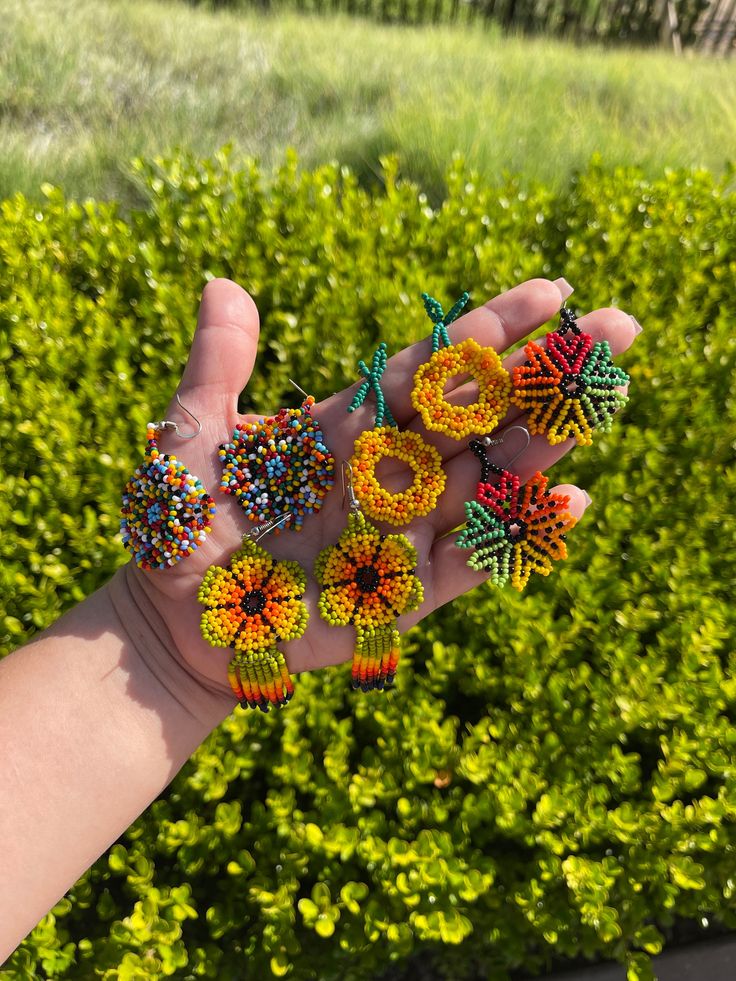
x: 569, y: 386
x: 368, y: 580
x: 515, y: 530
x: 448, y: 360
x: 278, y: 466
x: 166, y: 512
x: 387, y: 440
x: 251, y: 605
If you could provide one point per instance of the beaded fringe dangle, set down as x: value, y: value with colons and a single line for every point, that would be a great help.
x: 448, y: 360
x: 387, y: 440
x: 252, y: 605
x: 569, y: 385
x: 166, y: 512
x: 279, y: 465
x: 515, y: 530
x: 368, y: 580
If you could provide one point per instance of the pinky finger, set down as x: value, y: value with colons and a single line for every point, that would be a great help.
x: 451, y: 576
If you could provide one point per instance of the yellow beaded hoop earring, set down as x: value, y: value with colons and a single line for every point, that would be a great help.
x: 447, y: 360
x: 388, y: 441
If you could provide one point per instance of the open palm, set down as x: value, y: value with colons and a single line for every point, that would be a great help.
x: 221, y: 361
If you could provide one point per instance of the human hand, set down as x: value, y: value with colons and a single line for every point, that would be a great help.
x: 221, y: 361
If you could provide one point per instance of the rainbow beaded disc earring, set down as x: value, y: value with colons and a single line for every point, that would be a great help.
x: 514, y: 530
x: 251, y: 605
x: 569, y: 386
x: 279, y: 466
x: 448, y: 360
x: 386, y: 440
x: 368, y: 580
x: 166, y: 513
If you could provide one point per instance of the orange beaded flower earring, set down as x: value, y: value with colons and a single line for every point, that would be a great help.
x: 448, y: 360
x: 569, y: 386
x: 253, y: 604
x: 368, y: 580
x: 514, y: 529
x: 388, y: 441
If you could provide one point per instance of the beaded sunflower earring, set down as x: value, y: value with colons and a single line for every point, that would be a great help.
x: 387, y: 440
x: 166, y: 513
x: 253, y: 604
x: 368, y: 580
x: 448, y: 360
x: 515, y: 530
x: 569, y: 386
x: 279, y: 466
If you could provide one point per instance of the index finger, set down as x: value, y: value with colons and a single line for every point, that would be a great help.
x: 499, y: 323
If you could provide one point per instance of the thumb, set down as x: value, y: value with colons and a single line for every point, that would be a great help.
x: 225, y: 344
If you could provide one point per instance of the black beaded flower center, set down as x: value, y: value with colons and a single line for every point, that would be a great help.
x: 367, y: 579
x: 570, y: 385
x: 254, y: 601
x: 516, y: 530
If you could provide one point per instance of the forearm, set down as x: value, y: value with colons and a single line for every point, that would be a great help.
x: 92, y: 728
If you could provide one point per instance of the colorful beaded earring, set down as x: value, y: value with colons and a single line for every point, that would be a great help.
x: 515, y: 530
x: 387, y: 440
x: 253, y: 604
x: 166, y: 513
x: 279, y: 466
x: 569, y: 386
x: 368, y: 580
x: 447, y: 360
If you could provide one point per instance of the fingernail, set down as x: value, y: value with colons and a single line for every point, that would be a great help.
x: 637, y: 326
x: 564, y: 287
x: 588, y: 499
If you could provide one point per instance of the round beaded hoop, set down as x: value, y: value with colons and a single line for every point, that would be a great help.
x: 461, y: 421
x: 426, y: 464
x: 166, y: 512
x: 279, y: 465
x: 388, y: 440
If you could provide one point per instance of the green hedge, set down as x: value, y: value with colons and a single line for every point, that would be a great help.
x: 554, y: 776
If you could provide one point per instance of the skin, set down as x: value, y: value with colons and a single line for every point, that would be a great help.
x: 90, y: 736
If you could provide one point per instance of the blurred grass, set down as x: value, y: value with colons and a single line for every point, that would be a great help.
x: 85, y: 85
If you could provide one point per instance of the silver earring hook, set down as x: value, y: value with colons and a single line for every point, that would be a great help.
x: 260, y: 531
x: 487, y: 441
x: 168, y: 424
x: 299, y: 388
x: 347, y: 487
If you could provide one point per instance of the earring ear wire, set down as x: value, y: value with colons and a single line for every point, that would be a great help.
x: 348, y: 491
x: 256, y: 534
x: 167, y: 424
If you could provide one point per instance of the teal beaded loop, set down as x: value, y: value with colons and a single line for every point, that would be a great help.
x: 373, y: 383
x: 442, y: 320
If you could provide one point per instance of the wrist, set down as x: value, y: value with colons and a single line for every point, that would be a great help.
x: 205, y: 701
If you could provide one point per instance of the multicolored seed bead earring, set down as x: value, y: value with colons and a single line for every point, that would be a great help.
x: 253, y: 604
x: 514, y: 529
x: 569, y: 386
x: 279, y: 466
x: 166, y: 513
x: 368, y: 580
x: 448, y: 360
x: 387, y: 440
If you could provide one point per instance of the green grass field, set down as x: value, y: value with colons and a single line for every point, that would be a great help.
x: 85, y: 85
